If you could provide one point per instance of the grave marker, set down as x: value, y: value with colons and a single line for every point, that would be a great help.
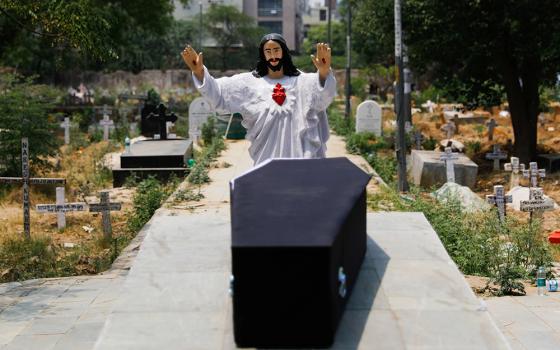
x: 66, y: 126
x: 516, y: 168
x: 161, y: 117
x: 496, y: 155
x: 26, y: 181
x: 534, y: 173
x: 449, y: 128
x: 491, y: 124
x: 106, y: 123
x: 499, y: 199
x: 418, y: 139
x: 368, y: 118
x: 199, y: 112
x: 61, y: 207
x: 449, y: 158
x: 536, y: 204
x: 105, y: 207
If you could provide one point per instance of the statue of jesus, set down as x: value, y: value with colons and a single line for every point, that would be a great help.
x: 283, y: 109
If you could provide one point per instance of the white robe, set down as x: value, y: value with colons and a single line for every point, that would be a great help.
x: 296, y: 129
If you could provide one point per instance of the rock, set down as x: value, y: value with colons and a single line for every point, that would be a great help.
x: 456, y: 146
x: 428, y: 170
x: 520, y: 193
x: 469, y: 200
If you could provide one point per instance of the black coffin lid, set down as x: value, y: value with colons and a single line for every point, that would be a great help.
x: 275, y: 204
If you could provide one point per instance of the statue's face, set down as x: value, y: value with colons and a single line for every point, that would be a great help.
x: 272, y: 53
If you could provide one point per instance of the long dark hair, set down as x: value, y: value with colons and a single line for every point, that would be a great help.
x: 287, y: 65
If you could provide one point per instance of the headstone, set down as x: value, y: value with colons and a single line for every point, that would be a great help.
x: 66, y: 126
x: 449, y: 128
x: 534, y: 173
x: 449, y: 158
x: 520, y: 194
x: 105, y: 207
x: 199, y: 112
x: 61, y: 207
x: 537, y: 203
x: 106, y: 123
x: 26, y: 181
x: 516, y: 170
x: 161, y: 118
x: 496, y: 155
x: 429, y: 106
x: 499, y: 199
x: 369, y: 118
x: 491, y: 124
x: 427, y: 169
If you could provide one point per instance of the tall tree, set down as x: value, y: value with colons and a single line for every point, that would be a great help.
x: 513, y: 43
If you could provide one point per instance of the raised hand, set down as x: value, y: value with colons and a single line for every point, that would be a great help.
x: 322, y: 60
x: 194, y: 61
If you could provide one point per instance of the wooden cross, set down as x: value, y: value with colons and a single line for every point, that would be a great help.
x: 418, y: 139
x: 499, y: 199
x: 491, y: 124
x: 66, y: 126
x: 105, y: 207
x: 534, y: 173
x: 60, y: 208
x: 515, y: 167
x: 449, y: 158
x: 536, y: 204
x: 496, y: 155
x: 449, y: 129
x: 26, y: 181
x: 105, y: 123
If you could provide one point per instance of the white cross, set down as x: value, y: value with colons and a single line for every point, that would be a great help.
x: 536, y: 204
x: 515, y: 167
x: 496, y: 155
x: 449, y: 158
x: 449, y: 129
x: 60, y: 208
x: 499, y: 199
x: 491, y: 124
x: 534, y: 173
x: 66, y: 126
x: 105, y: 123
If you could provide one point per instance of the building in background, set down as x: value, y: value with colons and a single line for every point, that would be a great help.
x: 192, y: 10
x: 317, y: 13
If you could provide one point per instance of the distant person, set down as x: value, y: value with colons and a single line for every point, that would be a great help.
x: 283, y: 109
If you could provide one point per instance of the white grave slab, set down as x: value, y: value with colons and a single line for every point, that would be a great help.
x: 368, y: 118
x: 200, y: 110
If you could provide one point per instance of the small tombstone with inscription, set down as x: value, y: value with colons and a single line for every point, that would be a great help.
x: 105, y: 207
x: 534, y: 173
x: 26, y: 181
x: 516, y: 169
x: 449, y: 158
x: 499, y: 199
x: 496, y: 155
x: 199, y: 112
x: 66, y: 126
x: 61, y: 207
x: 449, y: 128
x: 537, y: 203
x: 491, y: 124
x: 368, y: 118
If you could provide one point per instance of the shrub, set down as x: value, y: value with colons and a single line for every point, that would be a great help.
x: 149, y: 196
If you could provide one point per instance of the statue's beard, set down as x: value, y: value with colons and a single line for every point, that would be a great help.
x: 277, y: 67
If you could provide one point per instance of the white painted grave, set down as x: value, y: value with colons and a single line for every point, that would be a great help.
x: 66, y: 126
x: 369, y: 117
x: 516, y: 169
x: 449, y: 158
x: 199, y: 112
x: 499, y: 199
x: 60, y: 208
x: 496, y: 155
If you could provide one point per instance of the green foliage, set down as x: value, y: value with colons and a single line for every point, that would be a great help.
x: 208, y: 131
x: 364, y: 143
x: 24, y: 110
x: 385, y: 166
x: 199, y: 173
x: 472, y: 148
x: 429, y: 143
x: 188, y: 195
x: 149, y: 196
x: 342, y: 126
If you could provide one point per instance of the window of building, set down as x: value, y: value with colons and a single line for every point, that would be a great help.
x: 271, y: 26
x: 270, y: 8
x: 322, y: 15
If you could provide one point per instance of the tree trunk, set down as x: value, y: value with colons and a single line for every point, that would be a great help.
x: 522, y: 89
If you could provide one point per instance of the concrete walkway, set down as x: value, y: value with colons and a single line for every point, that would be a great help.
x: 409, y: 293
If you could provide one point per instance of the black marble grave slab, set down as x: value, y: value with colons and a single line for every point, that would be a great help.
x: 170, y: 153
x: 298, y: 241
x: 550, y: 162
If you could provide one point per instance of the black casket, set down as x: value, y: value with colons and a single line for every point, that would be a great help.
x: 298, y: 241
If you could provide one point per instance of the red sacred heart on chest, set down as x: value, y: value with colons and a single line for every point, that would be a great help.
x: 279, y: 94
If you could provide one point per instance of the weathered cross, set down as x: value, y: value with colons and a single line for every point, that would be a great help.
x: 536, y: 204
x: 105, y: 207
x: 60, y: 208
x: 161, y: 117
x: 515, y: 167
x: 449, y: 158
x: 449, y: 129
x: 66, y: 126
x: 418, y: 139
x: 496, y: 155
x: 26, y: 181
x: 106, y: 123
x: 499, y: 199
x: 491, y: 124
x: 534, y: 173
